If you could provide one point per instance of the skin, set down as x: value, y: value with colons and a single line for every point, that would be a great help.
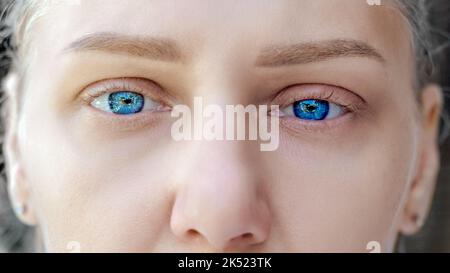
x: 122, y: 184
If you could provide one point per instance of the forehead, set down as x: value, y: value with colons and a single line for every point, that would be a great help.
x: 250, y: 24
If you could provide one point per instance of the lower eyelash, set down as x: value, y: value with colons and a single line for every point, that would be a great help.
x: 124, y: 123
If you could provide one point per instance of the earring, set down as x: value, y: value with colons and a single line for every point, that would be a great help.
x: 20, y: 209
x: 418, y: 220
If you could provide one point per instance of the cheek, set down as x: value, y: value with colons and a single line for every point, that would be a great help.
x: 98, y: 193
x: 341, y: 193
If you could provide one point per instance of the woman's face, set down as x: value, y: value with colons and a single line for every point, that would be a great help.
x: 122, y: 183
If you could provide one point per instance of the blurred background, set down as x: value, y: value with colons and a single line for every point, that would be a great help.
x: 435, y: 236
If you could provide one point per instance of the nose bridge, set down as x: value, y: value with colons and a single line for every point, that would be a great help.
x: 218, y: 77
x: 220, y: 198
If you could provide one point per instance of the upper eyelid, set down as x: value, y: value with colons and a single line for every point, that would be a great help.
x: 113, y: 85
x: 139, y: 85
x: 333, y: 94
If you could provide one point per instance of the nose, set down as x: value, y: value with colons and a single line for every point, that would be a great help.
x: 221, y: 199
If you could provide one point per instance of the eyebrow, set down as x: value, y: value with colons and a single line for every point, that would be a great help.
x: 309, y: 52
x: 148, y: 47
x: 272, y: 56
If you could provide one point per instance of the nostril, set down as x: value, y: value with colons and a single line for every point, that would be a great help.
x: 192, y: 233
x: 244, y: 238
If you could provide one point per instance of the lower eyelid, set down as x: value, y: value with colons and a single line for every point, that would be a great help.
x: 123, y: 123
x: 297, y: 126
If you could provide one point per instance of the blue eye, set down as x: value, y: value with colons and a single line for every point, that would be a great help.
x: 314, y: 109
x: 311, y: 109
x: 124, y: 103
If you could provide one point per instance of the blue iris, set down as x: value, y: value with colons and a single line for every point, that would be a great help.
x: 311, y: 109
x: 125, y: 102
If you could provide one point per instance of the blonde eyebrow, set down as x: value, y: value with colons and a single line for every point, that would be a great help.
x: 146, y: 47
x: 310, y: 52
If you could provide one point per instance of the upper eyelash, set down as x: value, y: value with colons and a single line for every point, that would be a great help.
x: 110, y: 87
x: 121, y: 84
x: 331, y: 96
x: 315, y: 96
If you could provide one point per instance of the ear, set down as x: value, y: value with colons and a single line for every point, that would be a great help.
x: 18, y: 189
x: 422, y: 188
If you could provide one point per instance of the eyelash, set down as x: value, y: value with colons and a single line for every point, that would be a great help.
x: 351, y: 103
x: 126, y: 123
x: 151, y: 90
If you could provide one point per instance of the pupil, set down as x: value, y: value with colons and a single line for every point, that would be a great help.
x: 311, y: 108
x: 127, y: 101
